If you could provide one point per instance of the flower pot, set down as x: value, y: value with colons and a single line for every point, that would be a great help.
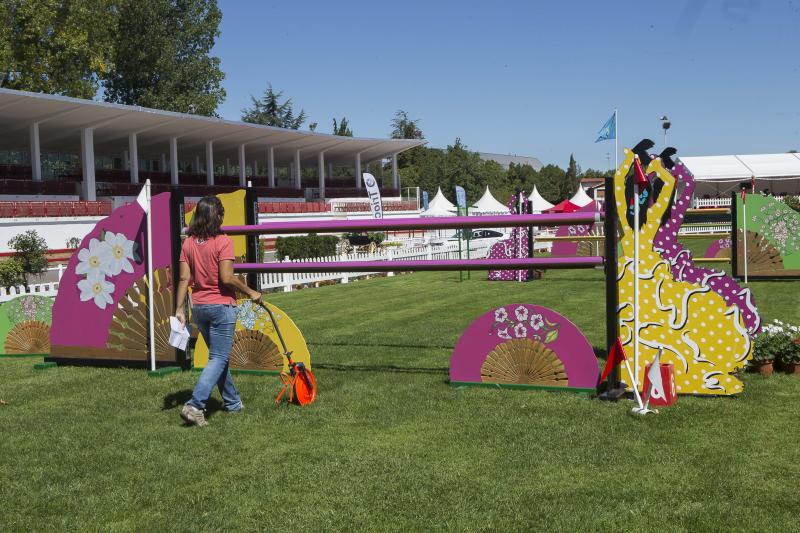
x: 761, y: 367
x: 791, y: 368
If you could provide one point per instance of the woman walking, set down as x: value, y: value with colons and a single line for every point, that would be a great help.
x: 207, y: 262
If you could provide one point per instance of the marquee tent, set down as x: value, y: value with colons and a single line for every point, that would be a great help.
x: 720, y: 174
x: 580, y: 198
x: 538, y: 204
x: 440, y: 202
x: 488, y: 205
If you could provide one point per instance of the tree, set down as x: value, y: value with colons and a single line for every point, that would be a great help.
x: 29, y: 258
x: 342, y: 128
x: 270, y: 111
x: 56, y: 46
x: 404, y: 127
x: 161, y: 56
x: 571, y: 178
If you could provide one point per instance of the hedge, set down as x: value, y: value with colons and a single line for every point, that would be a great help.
x: 306, y: 246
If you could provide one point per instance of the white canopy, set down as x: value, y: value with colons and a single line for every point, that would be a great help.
x: 580, y: 198
x: 724, y: 168
x: 437, y: 211
x: 440, y: 202
x: 489, y: 205
x: 538, y: 204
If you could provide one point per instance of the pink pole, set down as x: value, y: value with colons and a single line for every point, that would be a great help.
x: 446, y: 264
x: 369, y: 224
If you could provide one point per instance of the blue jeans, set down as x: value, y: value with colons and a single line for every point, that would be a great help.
x: 216, y: 323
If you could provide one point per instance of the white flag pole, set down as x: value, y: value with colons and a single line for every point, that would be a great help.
x: 636, y: 282
x: 744, y: 230
x: 150, y: 299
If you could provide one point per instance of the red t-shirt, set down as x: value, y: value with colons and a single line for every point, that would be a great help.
x: 203, y: 257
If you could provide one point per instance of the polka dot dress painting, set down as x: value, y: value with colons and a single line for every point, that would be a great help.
x: 703, y: 333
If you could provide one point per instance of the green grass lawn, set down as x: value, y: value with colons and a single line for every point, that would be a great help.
x: 389, y: 445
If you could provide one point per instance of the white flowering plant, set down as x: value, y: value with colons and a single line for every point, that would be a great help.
x: 777, y: 340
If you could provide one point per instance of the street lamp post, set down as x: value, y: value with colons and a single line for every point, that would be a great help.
x: 665, y: 124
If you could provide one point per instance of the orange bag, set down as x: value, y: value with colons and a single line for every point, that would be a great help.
x: 299, y: 381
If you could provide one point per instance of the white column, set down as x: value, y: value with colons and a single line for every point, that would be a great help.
x: 321, y: 170
x: 298, y: 179
x: 36, y: 153
x: 358, y: 170
x: 133, y: 148
x: 271, y: 166
x: 395, y: 174
x: 173, y: 160
x: 88, y: 187
x: 242, y: 169
x: 196, y: 168
x: 209, y: 162
x: 163, y: 166
x: 227, y: 166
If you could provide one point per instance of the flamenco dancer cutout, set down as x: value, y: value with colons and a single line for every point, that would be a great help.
x: 704, y: 336
x: 680, y: 259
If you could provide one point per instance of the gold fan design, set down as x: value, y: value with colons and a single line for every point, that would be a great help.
x: 252, y: 350
x: 128, y: 331
x: 30, y: 336
x: 523, y: 361
x: 761, y: 255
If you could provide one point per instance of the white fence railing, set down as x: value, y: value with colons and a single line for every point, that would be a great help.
x: 288, y: 281
x: 719, y: 202
x: 695, y: 229
x: 49, y: 288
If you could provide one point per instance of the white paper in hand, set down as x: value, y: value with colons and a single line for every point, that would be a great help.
x: 178, y: 335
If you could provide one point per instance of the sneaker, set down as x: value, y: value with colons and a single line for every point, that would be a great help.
x: 193, y: 415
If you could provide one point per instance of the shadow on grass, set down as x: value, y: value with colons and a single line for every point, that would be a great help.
x: 382, y: 368
x: 374, y: 345
x: 174, y: 400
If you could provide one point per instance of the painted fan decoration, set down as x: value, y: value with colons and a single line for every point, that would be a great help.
x: 25, y: 325
x: 523, y: 361
x: 255, y: 342
x: 29, y: 337
x: 524, y: 345
x: 252, y: 350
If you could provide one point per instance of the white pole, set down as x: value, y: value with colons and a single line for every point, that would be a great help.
x: 151, y: 306
x: 636, y: 284
x: 744, y: 230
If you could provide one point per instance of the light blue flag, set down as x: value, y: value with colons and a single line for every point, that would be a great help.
x: 609, y: 130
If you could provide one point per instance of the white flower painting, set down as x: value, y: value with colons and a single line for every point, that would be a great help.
x: 92, y: 259
x: 95, y: 287
x: 108, y: 257
x: 117, y: 254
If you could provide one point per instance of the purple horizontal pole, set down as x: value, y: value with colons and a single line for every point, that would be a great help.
x: 445, y: 264
x: 371, y: 224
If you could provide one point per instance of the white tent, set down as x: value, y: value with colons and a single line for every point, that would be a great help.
x: 720, y: 174
x: 440, y: 202
x: 488, y: 205
x: 580, y: 198
x: 538, y: 204
x: 437, y: 211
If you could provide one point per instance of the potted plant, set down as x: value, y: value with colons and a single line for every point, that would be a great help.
x: 789, y: 356
x: 763, y: 357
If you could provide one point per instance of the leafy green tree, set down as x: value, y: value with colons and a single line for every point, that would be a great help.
x: 270, y: 111
x: 405, y: 128
x: 571, y: 178
x: 161, y: 56
x: 11, y: 273
x: 29, y: 255
x: 342, y: 128
x: 56, y: 46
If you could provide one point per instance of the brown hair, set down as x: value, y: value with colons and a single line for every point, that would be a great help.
x: 207, y: 218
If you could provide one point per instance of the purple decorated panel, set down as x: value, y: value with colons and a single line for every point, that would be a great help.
x: 524, y: 344
x: 719, y: 248
x: 109, y: 260
x: 573, y: 248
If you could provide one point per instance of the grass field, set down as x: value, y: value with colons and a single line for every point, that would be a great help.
x: 389, y: 445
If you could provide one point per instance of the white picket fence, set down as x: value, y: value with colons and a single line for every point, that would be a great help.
x: 719, y: 202
x: 49, y: 288
x: 478, y: 250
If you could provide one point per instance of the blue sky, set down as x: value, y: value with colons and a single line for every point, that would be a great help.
x: 529, y: 78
